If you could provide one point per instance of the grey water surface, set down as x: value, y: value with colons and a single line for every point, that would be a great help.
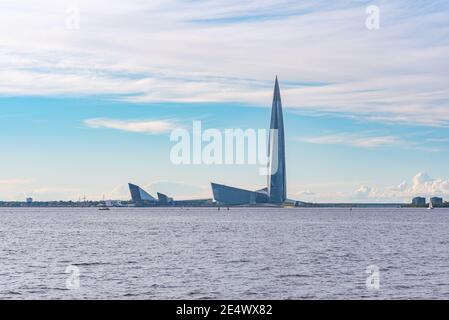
x: 203, y: 253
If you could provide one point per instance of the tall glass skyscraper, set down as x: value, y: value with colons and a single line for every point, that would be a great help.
x: 276, y: 190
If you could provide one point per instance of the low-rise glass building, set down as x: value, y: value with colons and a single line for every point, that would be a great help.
x: 436, y: 201
x: 419, y: 201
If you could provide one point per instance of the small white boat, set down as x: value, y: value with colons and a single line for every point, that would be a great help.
x: 430, y: 205
x: 103, y: 206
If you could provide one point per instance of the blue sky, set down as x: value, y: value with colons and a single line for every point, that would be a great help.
x: 90, y: 90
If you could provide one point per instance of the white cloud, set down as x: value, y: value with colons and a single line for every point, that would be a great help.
x: 353, y: 139
x: 20, y: 188
x: 13, y: 182
x: 306, y: 193
x: 399, y: 188
x: 368, y: 140
x: 150, y: 126
x: 54, y: 193
x: 230, y: 51
x: 177, y: 190
x: 363, y: 191
x: 12, y: 189
x: 421, y: 185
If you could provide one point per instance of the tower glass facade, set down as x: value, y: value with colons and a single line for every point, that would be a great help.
x: 276, y: 190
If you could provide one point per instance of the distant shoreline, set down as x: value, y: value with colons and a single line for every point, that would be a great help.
x: 129, y: 204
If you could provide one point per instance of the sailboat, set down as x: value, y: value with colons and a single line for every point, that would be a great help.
x: 430, y: 205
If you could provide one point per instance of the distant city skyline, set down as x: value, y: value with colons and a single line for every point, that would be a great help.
x: 89, y: 93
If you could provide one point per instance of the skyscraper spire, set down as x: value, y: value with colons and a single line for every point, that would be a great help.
x: 277, y: 188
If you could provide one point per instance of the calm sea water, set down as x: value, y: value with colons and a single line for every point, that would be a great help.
x: 130, y: 253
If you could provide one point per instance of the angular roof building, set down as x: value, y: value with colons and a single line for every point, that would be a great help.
x: 276, y: 190
x: 139, y: 196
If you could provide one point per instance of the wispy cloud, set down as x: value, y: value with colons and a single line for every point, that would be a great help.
x: 306, y: 193
x: 13, y: 182
x: 167, y: 51
x: 374, y: 139
x: 438, y: 140
x: 351, y: 139
x: 150, y: 126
